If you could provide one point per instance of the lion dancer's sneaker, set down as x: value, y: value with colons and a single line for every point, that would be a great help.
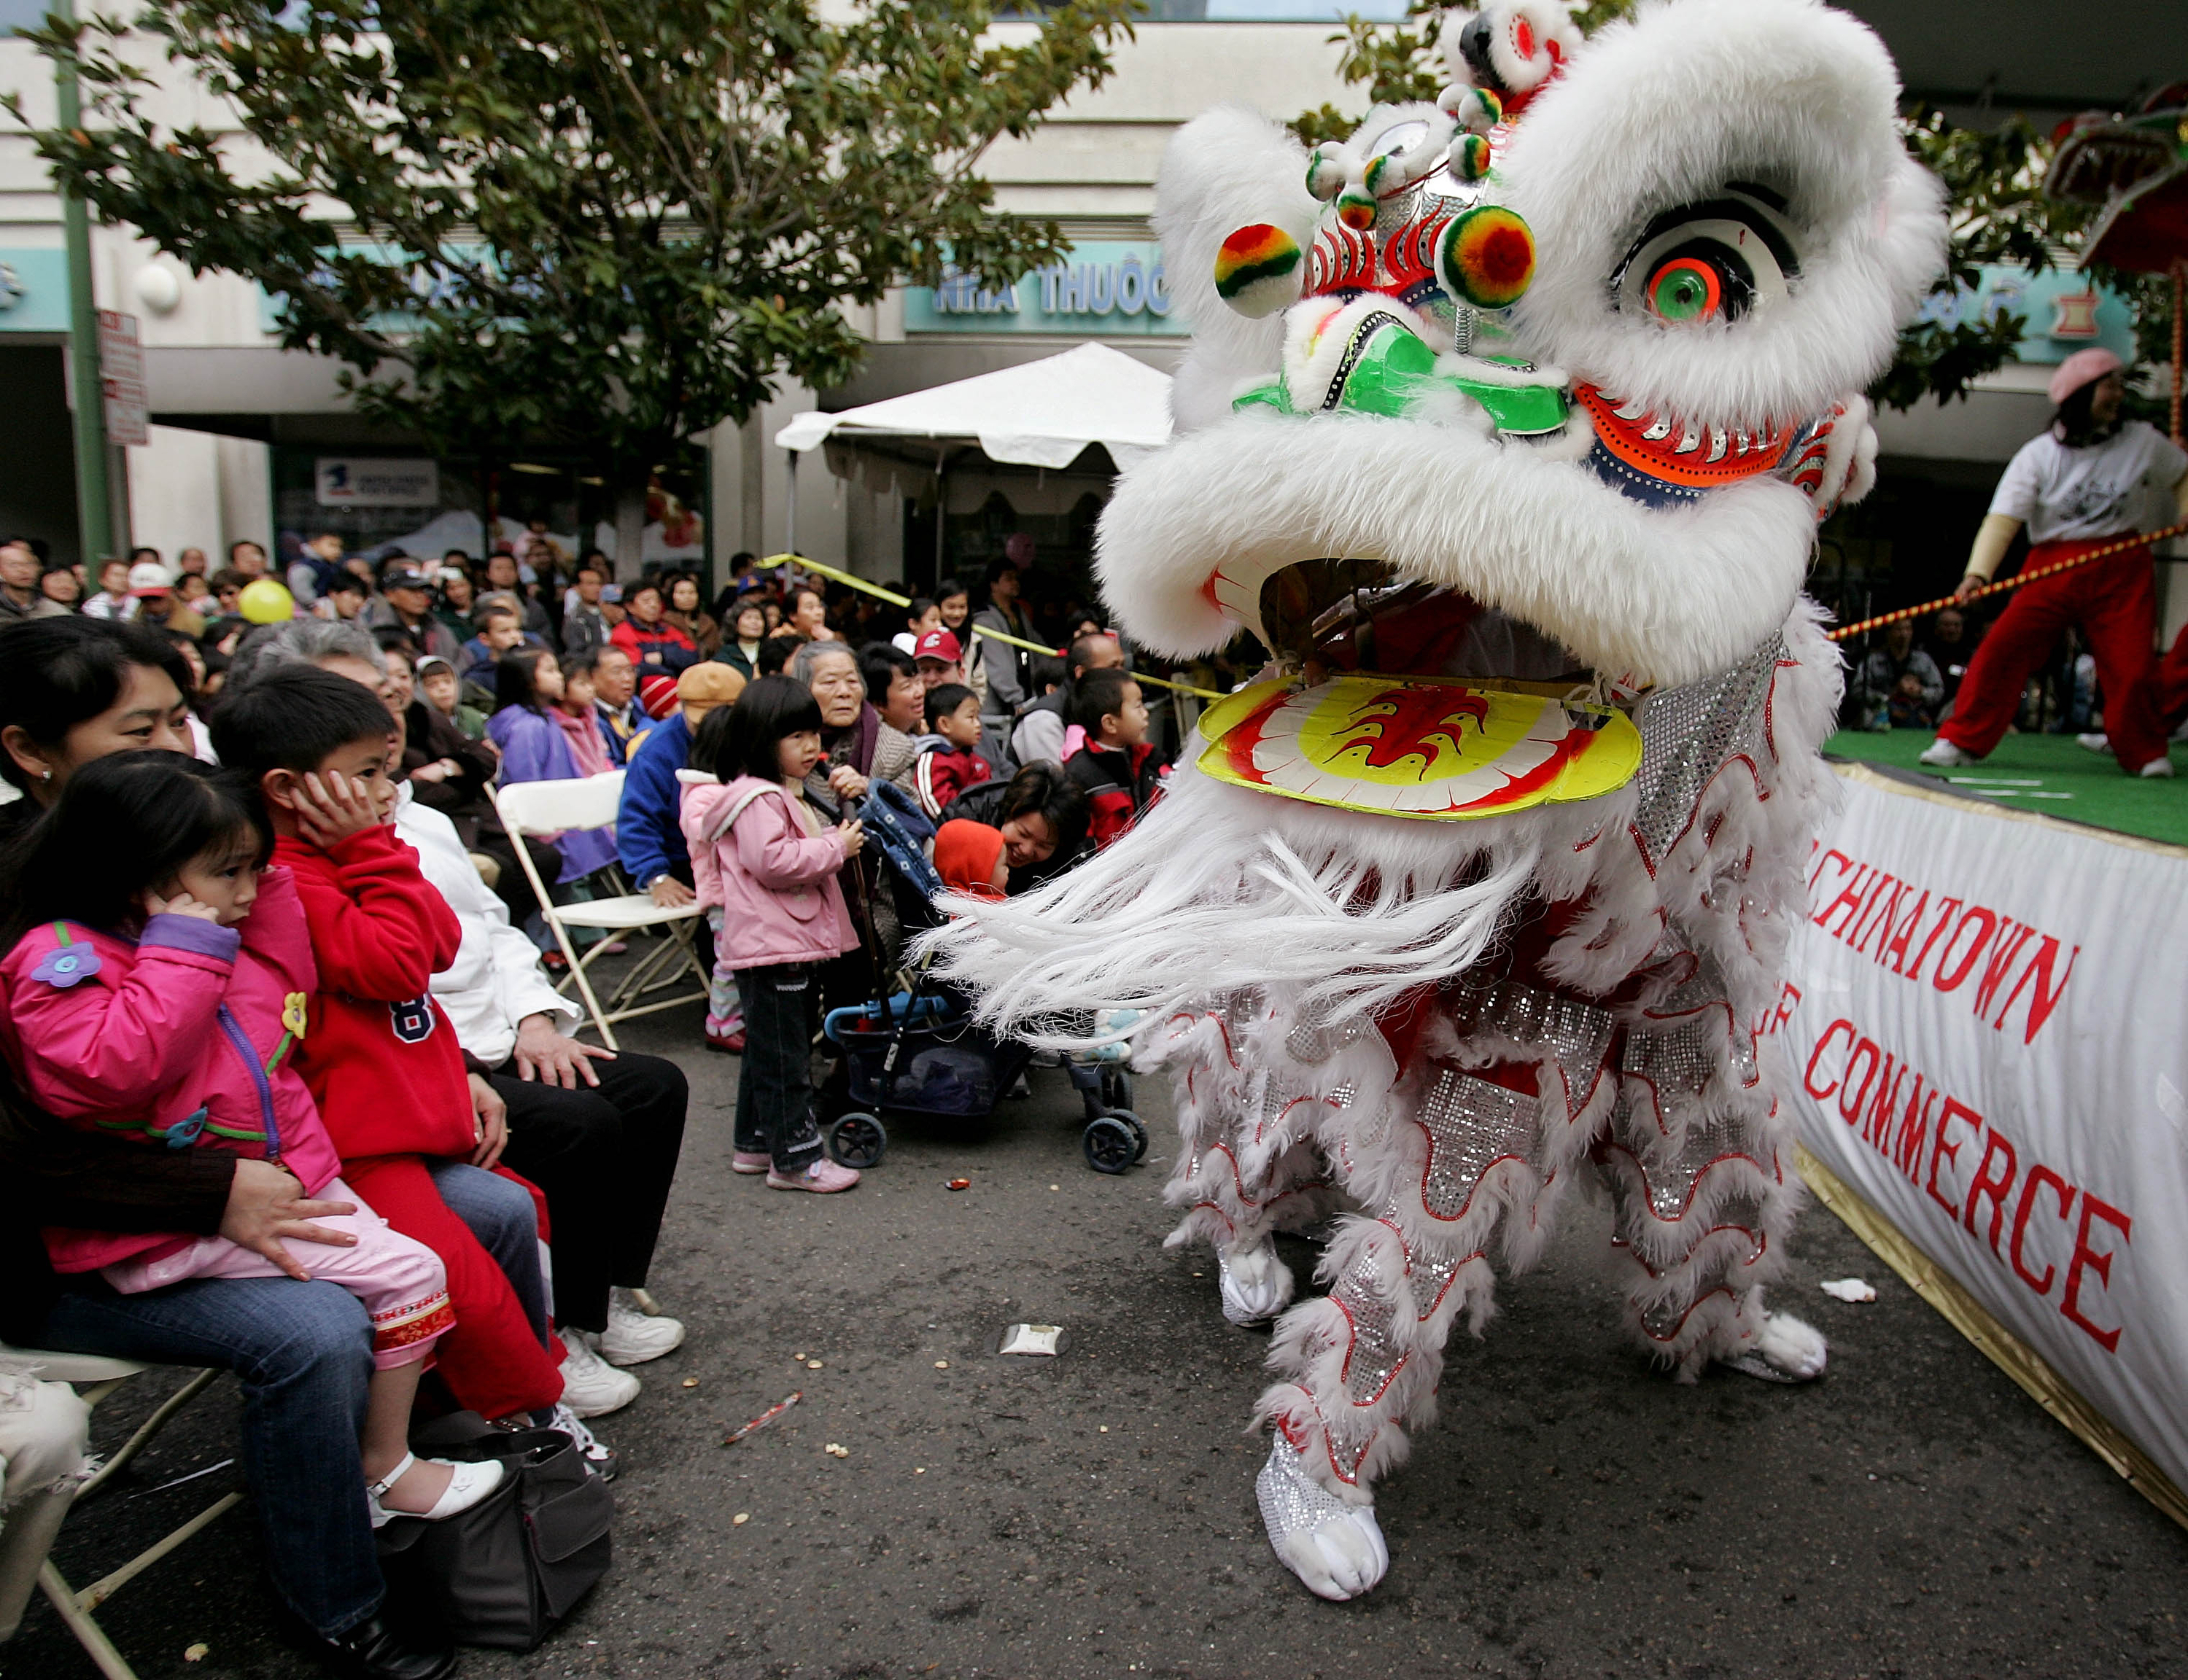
x: 1333, y: 1546
x: 1785, y: 1349
x: 1256, y: 1284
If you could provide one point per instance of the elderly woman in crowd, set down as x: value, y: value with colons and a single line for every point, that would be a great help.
x: 861, y: 749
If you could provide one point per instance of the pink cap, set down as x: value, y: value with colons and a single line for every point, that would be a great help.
x: 938, y: 645
x: 2083, y: 367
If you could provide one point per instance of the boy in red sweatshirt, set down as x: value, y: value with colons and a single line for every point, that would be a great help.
x: 381, y: 1060
x: 1118, y: 767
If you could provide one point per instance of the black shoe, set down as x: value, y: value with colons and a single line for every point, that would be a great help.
x: 373, y: 1650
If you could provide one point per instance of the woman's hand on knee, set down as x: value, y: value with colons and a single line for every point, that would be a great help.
x: 267, y: 1208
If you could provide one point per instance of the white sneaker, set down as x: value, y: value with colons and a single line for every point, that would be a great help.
x: 599, y: 1458
x: 1255, y: 1284
x: 1941, y: 754
x: 590, y: 1385
x: 2098, y: 743
x: 632, y: 1337
x: 1337, y: 1550
x: 2156, y: 767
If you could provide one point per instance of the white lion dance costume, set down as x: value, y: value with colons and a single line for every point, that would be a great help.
x: 1506, y: 427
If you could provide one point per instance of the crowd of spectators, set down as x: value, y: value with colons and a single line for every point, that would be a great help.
x: 1907, y: 675
x: 296, y: 842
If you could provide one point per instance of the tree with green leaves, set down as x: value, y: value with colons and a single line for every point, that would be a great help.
x: 1993, y: 183
x: 599, y: 226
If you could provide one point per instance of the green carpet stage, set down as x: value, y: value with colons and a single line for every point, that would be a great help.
x: 2045, y: 773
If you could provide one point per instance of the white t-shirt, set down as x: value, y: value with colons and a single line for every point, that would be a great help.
x: 2067, y: 495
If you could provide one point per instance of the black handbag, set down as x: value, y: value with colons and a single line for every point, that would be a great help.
x: 505, y: 1572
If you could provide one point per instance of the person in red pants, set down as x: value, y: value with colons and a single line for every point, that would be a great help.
x: 2080, y: 485
x: 376, y: 1051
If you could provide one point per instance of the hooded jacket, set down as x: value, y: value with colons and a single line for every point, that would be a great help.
x: 774, y: 878
x: 167, y: 1039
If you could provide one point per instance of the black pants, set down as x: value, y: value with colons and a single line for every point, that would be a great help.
x: 606, y: 1157
x: 774, y: 1086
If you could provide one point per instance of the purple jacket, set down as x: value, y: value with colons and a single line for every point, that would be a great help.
x: 534, y: 749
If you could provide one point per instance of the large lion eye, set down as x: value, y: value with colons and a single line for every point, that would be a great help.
x: 1713, y: 261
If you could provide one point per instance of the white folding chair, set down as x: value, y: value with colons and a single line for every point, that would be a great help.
x: 545, y: 808
x: 33, y: 1524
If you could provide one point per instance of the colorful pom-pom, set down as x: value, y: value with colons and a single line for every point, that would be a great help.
x: 1487, y: 257
x: 1326, y: 170
x: 1476, y: 109
x: 1257, y: 270
x: 1356, y: 209
x: 1469, y: 157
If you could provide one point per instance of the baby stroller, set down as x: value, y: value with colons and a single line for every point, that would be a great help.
x: 921, y: 1053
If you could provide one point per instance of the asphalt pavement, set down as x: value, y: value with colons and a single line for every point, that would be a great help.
x: 1570, y: 1513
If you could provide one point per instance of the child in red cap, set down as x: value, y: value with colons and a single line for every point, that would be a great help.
x: 969, y: 858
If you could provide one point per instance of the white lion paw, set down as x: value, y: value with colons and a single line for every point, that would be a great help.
x: 1785, y: 1350
x: 1257, y: 1285
x: 1335, y: 1549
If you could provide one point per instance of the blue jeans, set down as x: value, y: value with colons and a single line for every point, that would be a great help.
x: 303, y: 1353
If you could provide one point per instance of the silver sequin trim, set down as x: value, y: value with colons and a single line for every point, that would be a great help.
x: 1374, y: 1354
x: 1313, y: 1043
x: 1578, y: 1032
x: 1292, y: 1501
x: 1471, y: 1124
x: 1431, y: 1276
x: 1671, y: 1180
x: 1688, y: 733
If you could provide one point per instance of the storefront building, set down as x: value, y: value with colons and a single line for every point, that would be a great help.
x: 249, y: 441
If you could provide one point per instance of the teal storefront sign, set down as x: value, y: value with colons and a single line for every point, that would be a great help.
x: 34, y: 290
x: 2062, y: 311
x: 1106, y: 289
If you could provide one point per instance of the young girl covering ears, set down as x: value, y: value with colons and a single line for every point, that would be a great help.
x: 765, y: 861
x: 155, y: 986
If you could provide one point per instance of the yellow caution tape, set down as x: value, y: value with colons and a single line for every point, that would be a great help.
x: 896, y: 600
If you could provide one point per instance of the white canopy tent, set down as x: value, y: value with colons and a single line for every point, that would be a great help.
x: 1042, y: 413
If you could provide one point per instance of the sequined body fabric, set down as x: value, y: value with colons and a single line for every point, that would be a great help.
x: 1559, y: 1058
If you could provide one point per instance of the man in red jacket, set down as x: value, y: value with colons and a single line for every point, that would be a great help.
x: 381, y: 1060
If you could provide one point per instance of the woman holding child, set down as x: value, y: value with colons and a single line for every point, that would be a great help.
x: 72, y: 692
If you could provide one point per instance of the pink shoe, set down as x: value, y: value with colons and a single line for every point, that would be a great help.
x: 824, y: 1177
x: 746, y: 1162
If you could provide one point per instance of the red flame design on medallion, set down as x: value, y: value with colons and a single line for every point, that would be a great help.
x: 1415, y: 723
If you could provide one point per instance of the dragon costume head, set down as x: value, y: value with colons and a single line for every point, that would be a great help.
x: 1504, y: 421
x: 1506, y: 428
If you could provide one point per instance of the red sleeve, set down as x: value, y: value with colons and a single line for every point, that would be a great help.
x: 626, y: 638
x: 1109, y: 815
x: 380, y: 929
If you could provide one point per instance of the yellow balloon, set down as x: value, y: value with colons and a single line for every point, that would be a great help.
x: 266, y: 602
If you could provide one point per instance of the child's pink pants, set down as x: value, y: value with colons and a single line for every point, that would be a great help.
x: 401, y: 1281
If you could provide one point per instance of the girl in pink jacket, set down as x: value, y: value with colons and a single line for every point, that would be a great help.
x: 765, y: 863
x: 155, y: 986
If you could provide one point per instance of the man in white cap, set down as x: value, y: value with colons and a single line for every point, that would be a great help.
x: 2083, y: 484
x: 152, y: 587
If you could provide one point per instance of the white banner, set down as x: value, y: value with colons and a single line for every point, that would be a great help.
x: 351, y: 480
x: 1983, y: 1033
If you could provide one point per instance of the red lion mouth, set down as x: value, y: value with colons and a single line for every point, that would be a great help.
x: 1680, y: 452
